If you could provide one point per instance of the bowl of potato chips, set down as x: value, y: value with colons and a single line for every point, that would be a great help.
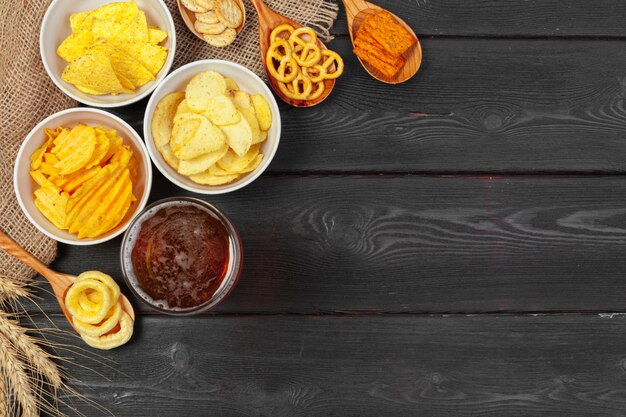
x: 81, y: 175
x: 212, y: 127
x: 105, y: 53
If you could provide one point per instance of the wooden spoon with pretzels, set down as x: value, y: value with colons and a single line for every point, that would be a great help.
x: 268, y: 20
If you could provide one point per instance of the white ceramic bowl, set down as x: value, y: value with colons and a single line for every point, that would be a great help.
x: 248, y: 82
x: 24, y: 185
x: 55, y: 27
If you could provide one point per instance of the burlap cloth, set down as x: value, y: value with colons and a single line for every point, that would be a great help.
x: 28, y: 95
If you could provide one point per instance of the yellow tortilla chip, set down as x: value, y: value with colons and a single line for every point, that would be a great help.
x: 133, y: 30
x: 127, y: 69
x: 156, y: 35
x: 81, y: 21
x: 94, y: 73
x: 75, y: 45
x: 117, y: 12
x: 151, y: 56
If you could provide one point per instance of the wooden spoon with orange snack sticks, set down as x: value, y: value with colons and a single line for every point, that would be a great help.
x: 356, y: 12
x: 268, y: 21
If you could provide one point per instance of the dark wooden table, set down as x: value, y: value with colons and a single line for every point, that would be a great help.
x: 453, y: 246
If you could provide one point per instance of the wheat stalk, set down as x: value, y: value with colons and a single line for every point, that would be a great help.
x: 4, y: 396
x: 39, y: 359
x: 12, y: 289
x: 20, y: 383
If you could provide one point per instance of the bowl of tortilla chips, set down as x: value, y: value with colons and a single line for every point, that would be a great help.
x: 105, y: 53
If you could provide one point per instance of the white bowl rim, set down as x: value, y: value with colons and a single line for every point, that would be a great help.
x: 140, y: 206
x: 200, y: 189
x: 132, y: 98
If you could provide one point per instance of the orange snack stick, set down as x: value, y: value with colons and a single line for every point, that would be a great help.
x: 393, y: 37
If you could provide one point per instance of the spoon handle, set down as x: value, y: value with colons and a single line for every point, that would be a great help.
x: 259, y: 6
x: 9, y: 246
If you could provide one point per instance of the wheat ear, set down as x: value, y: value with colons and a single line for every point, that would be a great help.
x: 38, y: 358
x: 20, y: 382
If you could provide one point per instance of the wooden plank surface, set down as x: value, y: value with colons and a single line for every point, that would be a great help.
x: 477, y: 105
x: 510, y: 18
x: 417, y: 244
x: 365, y: 366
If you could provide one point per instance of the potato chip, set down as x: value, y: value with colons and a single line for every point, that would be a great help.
x: 202, y: 162
x: 207, y: 138
x: 102, y: 147
x: 118, y: 210
x: 41, y: 179
x: 52, y: 203
x: 92, y: 204
x: 184, y: 130
x: 79, y: 179
x: 221, y: 111
x: 262, y: 110
x: 202, y: 87
x: 98, y: 217
x: 205, y: 178
x: 231, y: 85
x: 93, y: 72
x: 162, y: 124
x: 250, y: 116
x: 238, y: 136
x: 90, y: 185
x: 115, y: 142
x: 163, y: 118
x: 234, y: 164
x: 75, y: 45
x: 240, y: 98
x: 47, y: 166
x: 77, y: 153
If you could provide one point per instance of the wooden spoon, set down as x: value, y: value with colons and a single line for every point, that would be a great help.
x: 189, y: 18
x: 268, y: 20
x: 59, y: 282
x: 356, y: 11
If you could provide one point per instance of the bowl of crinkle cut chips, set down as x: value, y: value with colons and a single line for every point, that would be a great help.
x: 107, y: 54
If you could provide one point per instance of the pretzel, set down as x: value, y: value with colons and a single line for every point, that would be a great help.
x: 293, y: 91
x: 329, y: 58
x: 321, y: 86
x: 316, y: 73
x: 287, y: 69
x: 307, y: 53
x: 279, y: 30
